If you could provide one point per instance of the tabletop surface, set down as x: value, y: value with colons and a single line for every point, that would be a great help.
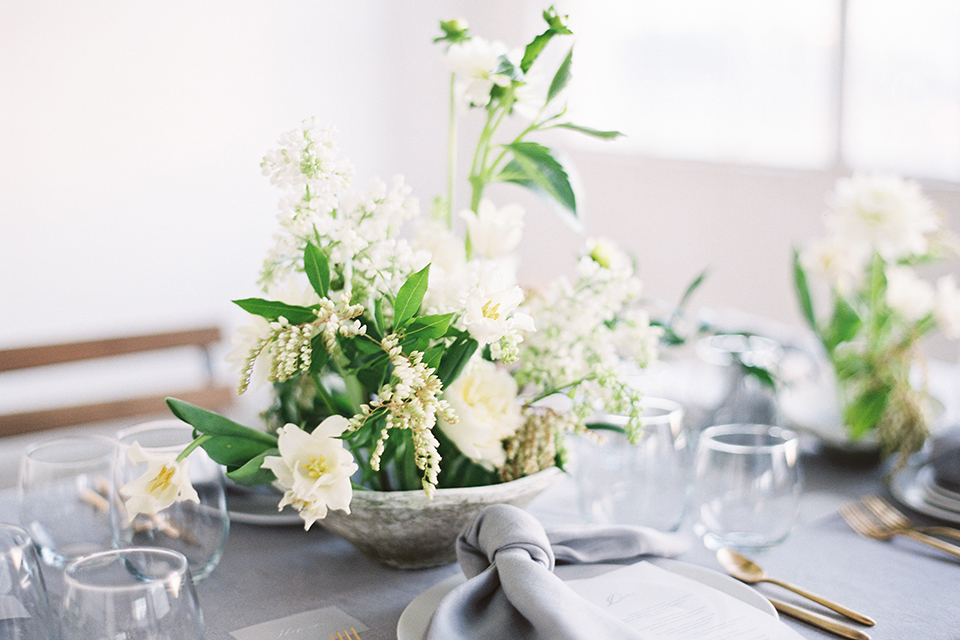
x: 270, y: 572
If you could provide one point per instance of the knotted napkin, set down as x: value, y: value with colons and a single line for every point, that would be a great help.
x: 511, y: 591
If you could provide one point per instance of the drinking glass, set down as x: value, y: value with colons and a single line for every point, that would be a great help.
x: 24, y: 604
x: 743, y: 358
x: 197, y: 530
x: 136, y: 593
x: 64, y: 495
x: 748, y: 484
x: 643, y: 483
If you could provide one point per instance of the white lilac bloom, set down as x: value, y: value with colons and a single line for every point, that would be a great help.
x: 910, y: 296
x: 490, y: 309
x: 484, y: 398
x: 164, y: 482
x: 889, y: 214
x: 494, y: 232
x: 476, y: 61
x: 947, y: 311
x: 314, y: 469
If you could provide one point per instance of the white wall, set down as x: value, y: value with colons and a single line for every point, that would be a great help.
x: 131, y: 134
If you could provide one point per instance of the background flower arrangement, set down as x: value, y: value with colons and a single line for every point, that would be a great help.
x: 881, y: 229
x: 416, y: 362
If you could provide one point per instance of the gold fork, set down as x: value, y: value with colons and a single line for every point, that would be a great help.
x: 890, y: 514
x: 346, y: 635
x: 866, y: 522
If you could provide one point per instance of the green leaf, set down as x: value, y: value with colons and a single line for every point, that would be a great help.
x: 533, y: 50
x: 319, y: 356
x: 410, y: 296
x: 534, y: 167
x: 596, y: 133
x: 233, y: 451
x: 272, y: 310
x: 561, y: 78
x: 864, y: 413
x: 317, y: 268
x: 456, y: 358
x: 430, y: 327
x: 844, y: 324
x: 210, y: 423
x: 691, y: 288
x: 252, y: 473
x: 803, y: 291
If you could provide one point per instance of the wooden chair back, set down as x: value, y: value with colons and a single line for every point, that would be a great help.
x: 210, y: 394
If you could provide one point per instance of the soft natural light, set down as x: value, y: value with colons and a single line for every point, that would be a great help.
x: 758, y: 82
x: 902, y: 99
x: 741, y: 81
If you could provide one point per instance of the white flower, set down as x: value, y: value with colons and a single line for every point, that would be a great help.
x: 314, y: 469
x: 840, y: 263
x: 888, y: 214
x: 477, y: 61
x: 908, y: 295
x: 947, y: 311
x: 489, y: 307
x: 165, y: 481
x: 494, y: 232
x: 484, y: 398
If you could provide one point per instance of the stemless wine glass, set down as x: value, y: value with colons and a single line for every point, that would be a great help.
x: 644, y: 483
x: 197, y: 530
x: 748, y: 485
x: 64, y: 496
x: 24, y: 604
x: 136, y: 593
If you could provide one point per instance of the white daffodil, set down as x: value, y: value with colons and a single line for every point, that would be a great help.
x: 484, y: 398
x: 910, y: 296
x: 947, y: 311
x: 476, y: 61
x: 494, y: 232
x: 165, y: 481
x: 490, y: 310
x: 314, y: 469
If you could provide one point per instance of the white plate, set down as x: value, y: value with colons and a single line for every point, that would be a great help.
x: 258, y: 505
x: 907, y: 486
x: 416, y: 617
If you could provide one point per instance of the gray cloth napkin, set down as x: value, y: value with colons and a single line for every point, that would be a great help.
x: 511, y: 592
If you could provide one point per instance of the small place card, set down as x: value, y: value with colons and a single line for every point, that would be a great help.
x: 664, y: 605
x: 309, y: 625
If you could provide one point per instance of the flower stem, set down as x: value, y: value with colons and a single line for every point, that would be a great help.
x: 198, y: 442
x: 451, y: 151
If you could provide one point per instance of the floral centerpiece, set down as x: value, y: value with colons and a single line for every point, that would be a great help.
x: 402, y: 351
x: 881, y: 231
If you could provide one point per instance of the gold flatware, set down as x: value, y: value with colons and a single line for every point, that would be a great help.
x: 817, y: 620
x: 745, y: 570
x: 867, y: 523
x: 346, y: 635
x: 886, y: 512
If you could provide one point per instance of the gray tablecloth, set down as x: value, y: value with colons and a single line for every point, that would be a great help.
x: 271, y: 572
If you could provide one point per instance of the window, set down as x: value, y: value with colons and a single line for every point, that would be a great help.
x: 871, y: 84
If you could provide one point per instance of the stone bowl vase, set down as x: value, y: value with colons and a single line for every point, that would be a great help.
x: 408, y: 530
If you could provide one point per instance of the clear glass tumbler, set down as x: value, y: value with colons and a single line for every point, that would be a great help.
x: 643, y: 483
x: 748, y: 485
x: 197, y: 530
x: 25, y: 612
x: 64, y: 493
x: 130, y: 594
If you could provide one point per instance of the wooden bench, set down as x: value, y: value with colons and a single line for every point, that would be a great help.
x: 209, y: 394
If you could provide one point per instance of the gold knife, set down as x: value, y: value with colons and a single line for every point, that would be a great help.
x: 818, y: 620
